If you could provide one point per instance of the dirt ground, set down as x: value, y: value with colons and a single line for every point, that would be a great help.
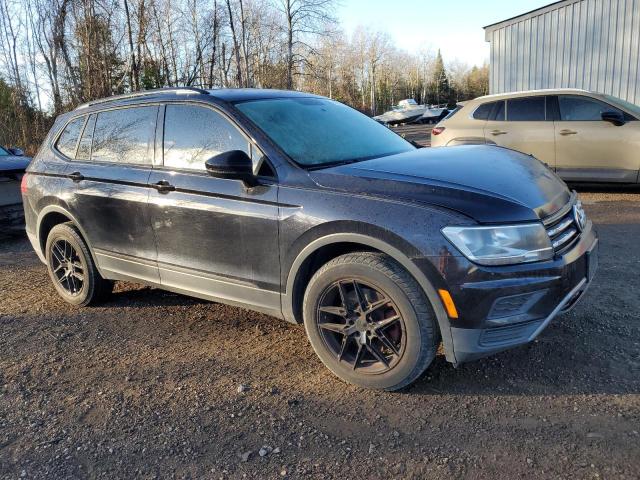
x: 157, y: 385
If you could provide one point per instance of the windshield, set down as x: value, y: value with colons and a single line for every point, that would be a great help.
x: 631, y: 107
x: 3, y: 152
x: 317, y: 132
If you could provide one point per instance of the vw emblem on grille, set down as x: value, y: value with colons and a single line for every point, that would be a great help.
x: 579, y: 216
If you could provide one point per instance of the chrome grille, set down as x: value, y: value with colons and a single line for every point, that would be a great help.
x: 561, y: 226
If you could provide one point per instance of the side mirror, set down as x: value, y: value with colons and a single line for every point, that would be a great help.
x: 234, y: 165
x: 16, y: 151
x: 614, y: 117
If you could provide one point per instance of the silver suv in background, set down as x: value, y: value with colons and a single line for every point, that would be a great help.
x: 582, y: 135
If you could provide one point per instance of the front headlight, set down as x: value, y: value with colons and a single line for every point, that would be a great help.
x: 501, y: 245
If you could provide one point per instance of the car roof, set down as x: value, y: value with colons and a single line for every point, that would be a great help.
x: 231, y: 95
x: 244, y: 94
x: 526, y: 93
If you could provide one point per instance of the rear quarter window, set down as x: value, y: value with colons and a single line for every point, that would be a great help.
x: 483, y: 111
x: 68, y: 140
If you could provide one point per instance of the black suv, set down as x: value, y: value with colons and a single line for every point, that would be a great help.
x: 300, y: 207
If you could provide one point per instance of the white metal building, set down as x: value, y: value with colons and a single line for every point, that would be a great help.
x: 590, y: 44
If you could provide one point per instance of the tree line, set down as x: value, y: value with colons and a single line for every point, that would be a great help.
x: 56, y: 54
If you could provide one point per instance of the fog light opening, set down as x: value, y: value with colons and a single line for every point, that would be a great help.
x: 449, y: 306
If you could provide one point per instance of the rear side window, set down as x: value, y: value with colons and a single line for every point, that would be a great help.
x: 125, y: 135
x: 193, y: 134
x: 483, y: 111
x: 498, y: 111
x: 527, y: 109
x: 577, y: 108
x: 68, y: 141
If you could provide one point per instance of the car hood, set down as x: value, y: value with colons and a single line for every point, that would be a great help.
x: 13, y: 164
x: 487, y: 183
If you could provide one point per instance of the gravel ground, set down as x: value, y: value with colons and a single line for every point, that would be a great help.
x: 157, y: 385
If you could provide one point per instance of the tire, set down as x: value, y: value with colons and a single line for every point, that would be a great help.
x: 81, y: 284
x: 374, y: 278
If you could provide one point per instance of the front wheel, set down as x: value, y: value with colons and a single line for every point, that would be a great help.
x: 369, y: 321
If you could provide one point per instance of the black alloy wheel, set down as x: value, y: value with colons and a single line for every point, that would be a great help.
x: 71, y: 267
x: 67, y: 266
x: 369, y: 321
x: 361, y: 325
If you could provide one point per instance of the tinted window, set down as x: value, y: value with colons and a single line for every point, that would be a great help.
x: 576, y: 108
x: 194, y: 134
x: 84, y: 147
x: 632, y: 107
x: 318, y: 131
x: 528, y: 109
x: 69, y: 139
x: 483, y: 111
x: 453, y: 112
x: 498, y: 112
x: 125, y: 135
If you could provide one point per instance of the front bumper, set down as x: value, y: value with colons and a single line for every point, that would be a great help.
x: 503, y: 307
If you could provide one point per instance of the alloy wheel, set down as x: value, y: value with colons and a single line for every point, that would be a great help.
x: 361, y: 326
x: 67, y: 266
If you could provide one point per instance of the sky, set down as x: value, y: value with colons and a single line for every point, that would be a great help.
x: 454, y: 26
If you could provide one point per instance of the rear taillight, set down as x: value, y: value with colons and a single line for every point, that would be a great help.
x: 437, y: 130
x: 23, y: 184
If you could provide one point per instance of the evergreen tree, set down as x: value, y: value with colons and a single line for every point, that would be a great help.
x: 440, y: 89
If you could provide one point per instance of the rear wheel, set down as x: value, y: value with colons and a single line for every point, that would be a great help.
x: 369, y: 321
x: 71, y: 267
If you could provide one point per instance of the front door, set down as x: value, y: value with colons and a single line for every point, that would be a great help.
x: 590, y: 149
x: 215, y: 237
x: 521, y: 124
x: 111, y: 169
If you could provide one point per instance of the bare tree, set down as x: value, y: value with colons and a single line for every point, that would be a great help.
x: 303, y: 18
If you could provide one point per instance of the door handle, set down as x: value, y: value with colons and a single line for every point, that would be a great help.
x: 163, y: 186
x: 76, y: 176
x: 497, y: 132
x: 566, y: 132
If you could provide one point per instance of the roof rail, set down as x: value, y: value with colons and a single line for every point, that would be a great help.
x: 145, y: 93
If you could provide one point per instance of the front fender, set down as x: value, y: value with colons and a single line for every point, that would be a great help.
x: 394, y: 252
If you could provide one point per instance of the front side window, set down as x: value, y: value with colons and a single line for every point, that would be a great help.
x: 68, y: 141
x: 527, y: 109
x: 574, y: 108
x: 317, y: 132
x: 632, y: 107
x: 194, y: 134
x: 3, y: 152
x: 125, y: 135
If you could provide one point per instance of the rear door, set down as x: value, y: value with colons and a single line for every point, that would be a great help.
x: 215, y: 237
x: 111, y: 169
x: 590, y: 149
x: 522, y: 124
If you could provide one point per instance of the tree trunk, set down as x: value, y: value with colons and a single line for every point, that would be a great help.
x: 236, y: 49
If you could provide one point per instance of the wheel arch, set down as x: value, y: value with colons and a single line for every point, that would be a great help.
x: 338, y: 243
x: 51, y: 216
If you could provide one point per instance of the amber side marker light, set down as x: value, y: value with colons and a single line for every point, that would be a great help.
x: 448, y: 303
